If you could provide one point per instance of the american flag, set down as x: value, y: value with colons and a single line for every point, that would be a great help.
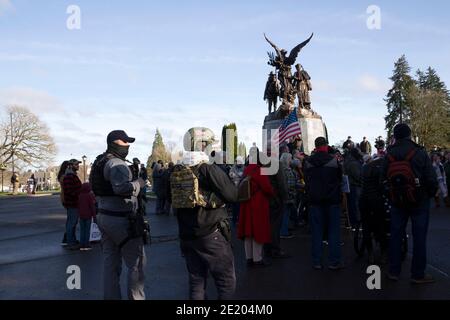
x: 289, y: 128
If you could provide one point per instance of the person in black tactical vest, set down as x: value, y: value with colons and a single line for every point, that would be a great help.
x: 199, y: 191
x: 123, y: 228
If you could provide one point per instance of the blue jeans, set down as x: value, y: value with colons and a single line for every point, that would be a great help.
x: 85, y: 231
x: 399, y: 219
x: 288, y: 208
x: 71, y: 225
x: 319, y: 214
x: 160, y: 204
x: 353, y: 205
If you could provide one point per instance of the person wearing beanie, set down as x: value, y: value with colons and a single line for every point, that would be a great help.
x: 418, y: 208
x: 323, y: 178
x: 402, y: 131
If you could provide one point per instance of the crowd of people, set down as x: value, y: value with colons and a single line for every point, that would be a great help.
x: 360, y: 184
x: 394, y: 184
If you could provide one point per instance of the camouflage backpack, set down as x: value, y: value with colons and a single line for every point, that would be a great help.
x: 186, y: 193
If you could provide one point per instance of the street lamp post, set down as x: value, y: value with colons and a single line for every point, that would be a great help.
x: 2, y: 169
x: 84, y: 168
x: 13, y: 149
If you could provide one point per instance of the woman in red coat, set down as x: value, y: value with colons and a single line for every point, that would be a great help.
x: 254, y: 220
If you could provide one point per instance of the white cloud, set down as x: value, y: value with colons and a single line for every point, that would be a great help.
x: 85, y: 132
x: 343, y: 41
x: 415, y: 27
x: 55, y: 59
x: 36, y: 100
x: 324, y: 85
x: 5, y: 6
x: 210, y: 59
x: 372, y: 84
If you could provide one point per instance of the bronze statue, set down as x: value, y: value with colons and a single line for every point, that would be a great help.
x: 302, y: 84
x: 272, y: 92
x: 283, y: 64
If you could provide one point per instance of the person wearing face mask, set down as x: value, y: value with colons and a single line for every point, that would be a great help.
x: 119, y: 221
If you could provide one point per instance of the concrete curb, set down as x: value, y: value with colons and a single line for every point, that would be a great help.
x: 25, y: 196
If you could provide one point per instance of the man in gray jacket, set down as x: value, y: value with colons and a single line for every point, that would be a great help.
x: 116, y: 193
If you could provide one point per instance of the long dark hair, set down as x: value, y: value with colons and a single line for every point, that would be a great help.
x: 62, y: 169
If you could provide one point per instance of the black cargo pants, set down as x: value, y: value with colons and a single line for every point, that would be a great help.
x: 214, y: 254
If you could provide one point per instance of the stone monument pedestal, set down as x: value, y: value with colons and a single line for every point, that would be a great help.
x: 311, y: 124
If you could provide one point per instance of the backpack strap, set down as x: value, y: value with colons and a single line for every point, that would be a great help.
x: 391, y: 158
x: 410, y: 155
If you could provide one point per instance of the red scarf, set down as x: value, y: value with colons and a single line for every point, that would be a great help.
x: 322, y: 149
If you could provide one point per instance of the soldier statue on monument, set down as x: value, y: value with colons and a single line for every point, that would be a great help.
x: 283, y: 63
x: 292, y: 87
x: 302, y: 84
x: 272, y: 91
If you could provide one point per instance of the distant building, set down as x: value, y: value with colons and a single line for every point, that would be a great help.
x: 47, y: 179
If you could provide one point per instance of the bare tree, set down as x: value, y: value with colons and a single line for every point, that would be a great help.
x: 31, y: 143
x: 430, y: 121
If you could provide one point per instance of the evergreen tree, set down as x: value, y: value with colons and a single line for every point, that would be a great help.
x: 433, y: 82
x: 223, y: 144
x: 399, y: 96
x: 159, y: 152
x: 230, y: 146
x: 242, y: 150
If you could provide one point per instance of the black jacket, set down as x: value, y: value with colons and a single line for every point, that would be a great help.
x: 323, y: 179
x: 372, y: 187
x: 279, y: 184
x: 199, y: 222
x: 353, y: 169
x: 420, y: 164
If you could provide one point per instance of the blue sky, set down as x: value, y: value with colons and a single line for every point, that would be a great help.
x: 142, y: 65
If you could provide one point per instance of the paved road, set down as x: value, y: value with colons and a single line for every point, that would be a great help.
x: 33, y: 264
